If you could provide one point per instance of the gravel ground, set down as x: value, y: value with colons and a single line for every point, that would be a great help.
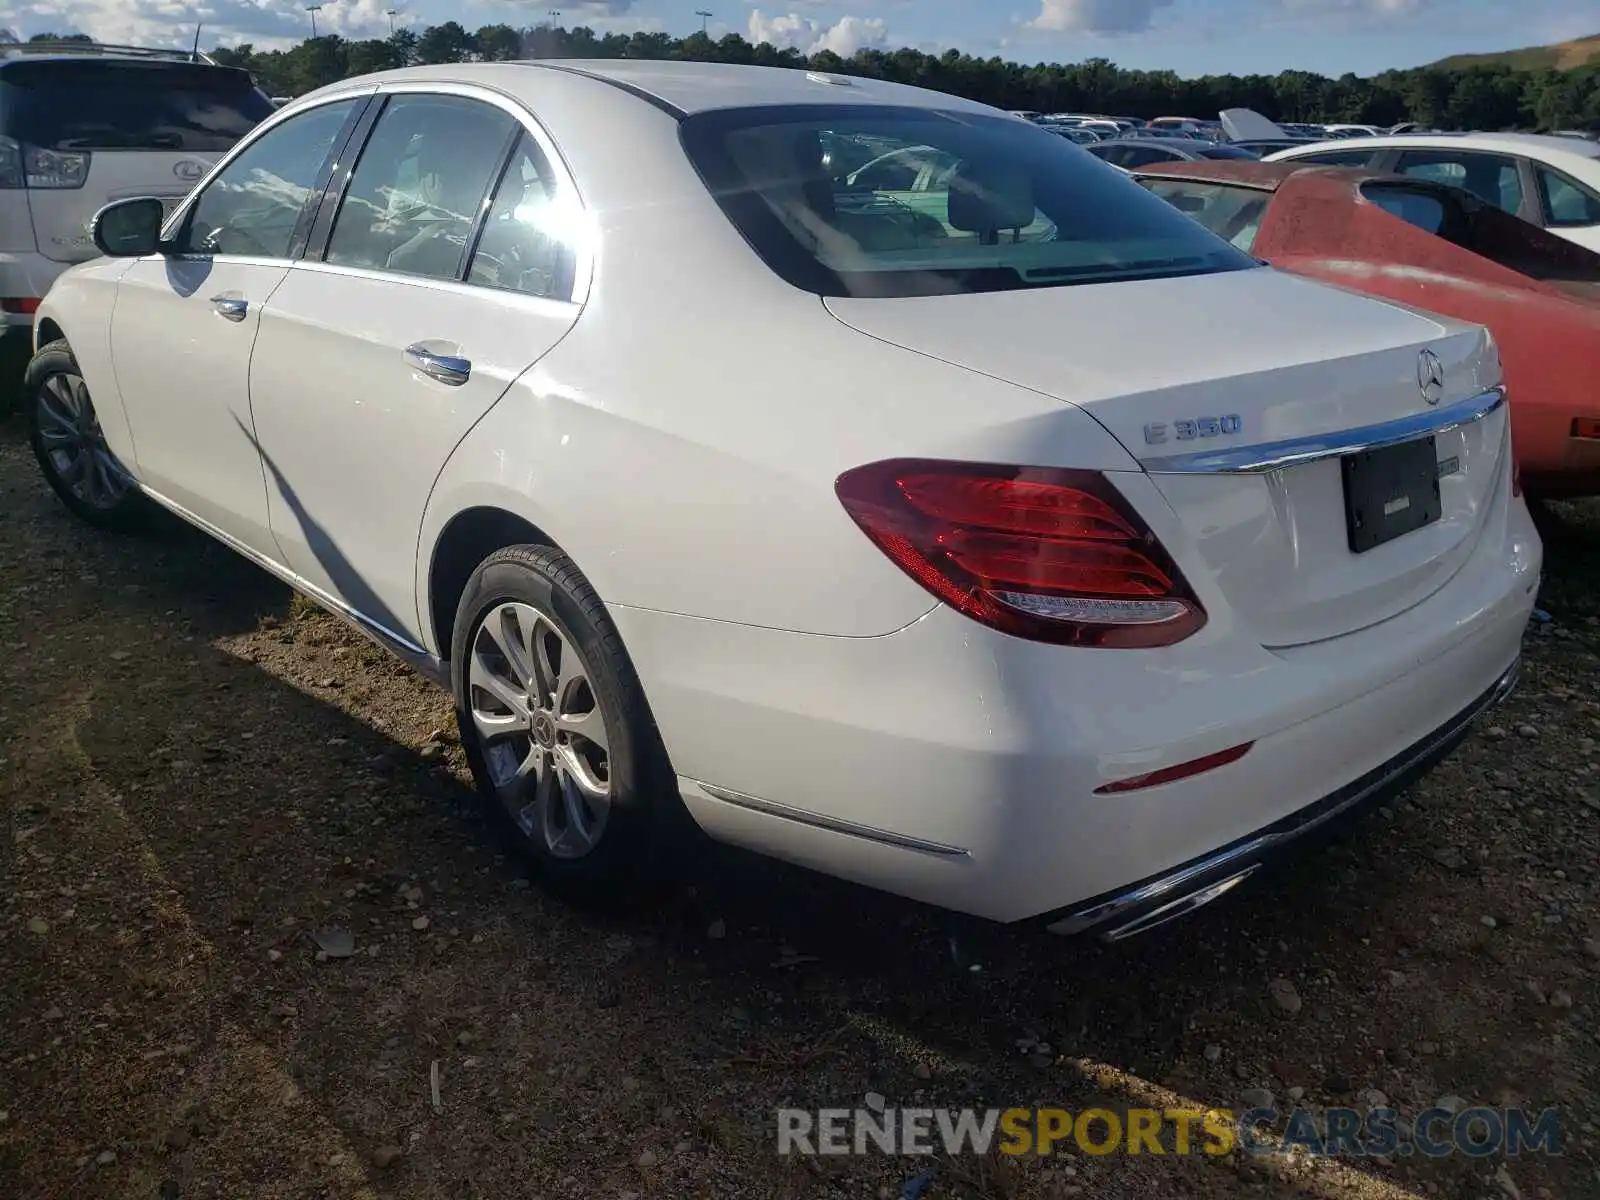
x: 201, y: 775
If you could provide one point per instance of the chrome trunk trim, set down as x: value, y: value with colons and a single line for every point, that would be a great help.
x: 1294, y: 452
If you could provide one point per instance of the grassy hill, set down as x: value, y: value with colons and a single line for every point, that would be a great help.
x: 1563, y: 56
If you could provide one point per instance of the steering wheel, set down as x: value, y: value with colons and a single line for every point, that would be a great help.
x: 240, y: 241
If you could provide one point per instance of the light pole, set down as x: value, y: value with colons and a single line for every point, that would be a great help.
x: 705, y: 18
x: 555, y: 18
x: 313, y: 9
x: 391, y: 13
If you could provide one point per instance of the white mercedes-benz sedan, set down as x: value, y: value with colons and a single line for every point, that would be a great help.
x: 784, y: 450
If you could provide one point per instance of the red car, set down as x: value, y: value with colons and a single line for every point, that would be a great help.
x: 1434, y: 247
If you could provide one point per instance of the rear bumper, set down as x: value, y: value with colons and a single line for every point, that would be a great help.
x: 23, y: 276
x: 1175, y: 893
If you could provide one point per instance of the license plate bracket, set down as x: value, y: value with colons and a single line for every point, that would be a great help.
x: 1390, y: 492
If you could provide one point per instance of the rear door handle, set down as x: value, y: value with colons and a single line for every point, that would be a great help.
x: 230, y: 308
x: 443, y: 367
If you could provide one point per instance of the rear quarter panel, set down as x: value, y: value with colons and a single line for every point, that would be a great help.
x: 1549, y: 339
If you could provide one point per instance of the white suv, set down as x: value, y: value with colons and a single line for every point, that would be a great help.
x: 83, y: 124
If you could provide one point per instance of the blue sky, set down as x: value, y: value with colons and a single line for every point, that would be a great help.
x: 1192, y: 37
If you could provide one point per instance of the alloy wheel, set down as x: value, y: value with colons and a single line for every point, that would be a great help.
x: 69, y: 432
x: 543, y: 734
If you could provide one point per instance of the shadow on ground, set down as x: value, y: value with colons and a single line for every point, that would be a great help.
x: 203, y: 775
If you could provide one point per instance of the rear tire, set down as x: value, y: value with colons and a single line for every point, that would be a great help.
x: 64, y: 431
x: 555, y: 726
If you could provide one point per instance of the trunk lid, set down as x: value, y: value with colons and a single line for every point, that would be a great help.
x: 1290, y: 359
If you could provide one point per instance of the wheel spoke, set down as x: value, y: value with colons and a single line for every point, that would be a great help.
x: 80, y: 399
x: 574, y: 766
x: 494, y: 725
x: 90, y: 479
x: 582, y: 826
x: 57, y: 407
x: 547, y: 651
x: 72, y: 473
x: 589, y: 726
x: 530, y: 805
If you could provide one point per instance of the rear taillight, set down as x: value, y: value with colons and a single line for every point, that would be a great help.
x: 24, y: 305
x: 32, y: 167
x: 1586, y: 427
x: 1038, y: 552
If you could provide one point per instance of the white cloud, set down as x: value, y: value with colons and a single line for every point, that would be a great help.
x: 844, y: 37
x: 266, y: 23
x: 1097, y: 16
x: 1351, y: 13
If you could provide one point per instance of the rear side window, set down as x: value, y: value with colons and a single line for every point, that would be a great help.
x: 72, y: 104
x: 1423, y: 209
x: 1567, y: 202
x: 996, y: 204
x: 526, y: 244
x: 1490, y: 177
x: 1232, y: 213
x: 415, y: 194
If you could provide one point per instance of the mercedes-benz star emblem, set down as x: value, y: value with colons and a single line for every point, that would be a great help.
x: 1430, y: 376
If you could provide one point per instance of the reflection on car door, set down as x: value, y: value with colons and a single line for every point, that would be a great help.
x: 185, y: 322
x: 381, y: 349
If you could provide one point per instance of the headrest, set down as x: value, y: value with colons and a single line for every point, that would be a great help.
x: 989, y: 196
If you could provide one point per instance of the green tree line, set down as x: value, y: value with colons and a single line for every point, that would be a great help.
x: 1483, y: 97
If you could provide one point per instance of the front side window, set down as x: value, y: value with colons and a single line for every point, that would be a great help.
x: 527, y: 243
x: 417, y: 189
x: 996, y: 204
x: 1232, y: 213
x: 1567, y: 203
x: 253, y: 206
x: 1492, y: 178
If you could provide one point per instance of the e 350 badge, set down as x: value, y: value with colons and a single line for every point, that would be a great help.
x: 1188, y: 431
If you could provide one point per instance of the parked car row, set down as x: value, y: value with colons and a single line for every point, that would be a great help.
x: 784, y: 456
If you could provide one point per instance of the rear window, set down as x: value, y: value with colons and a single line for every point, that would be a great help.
x: 946, y: 203
x: 1231, y: 152
x: 1233, y: 213
x: 121, y: 105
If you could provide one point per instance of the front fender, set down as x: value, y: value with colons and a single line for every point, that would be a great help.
x: 80, y: 305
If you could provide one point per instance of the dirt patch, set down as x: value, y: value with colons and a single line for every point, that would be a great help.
x: 202, y: 776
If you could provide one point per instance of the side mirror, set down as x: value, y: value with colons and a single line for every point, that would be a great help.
x: 128, y: 228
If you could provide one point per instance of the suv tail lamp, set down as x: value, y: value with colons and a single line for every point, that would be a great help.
x: 31, y: 167
x: 1041, y: 553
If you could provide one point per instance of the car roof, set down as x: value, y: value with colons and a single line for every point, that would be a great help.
x: 1160, y: 143
x: 682, y: 88
x: 1533, y: 144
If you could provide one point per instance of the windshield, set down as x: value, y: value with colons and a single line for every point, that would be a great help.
x: 83, y: 104
x: 867, y: 200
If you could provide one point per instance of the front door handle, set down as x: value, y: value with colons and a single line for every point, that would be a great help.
x: 443, y: 367
x: 230, y: 308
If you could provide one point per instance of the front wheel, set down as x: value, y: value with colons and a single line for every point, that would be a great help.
x: 555, y: 725
x: 72, y: 452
